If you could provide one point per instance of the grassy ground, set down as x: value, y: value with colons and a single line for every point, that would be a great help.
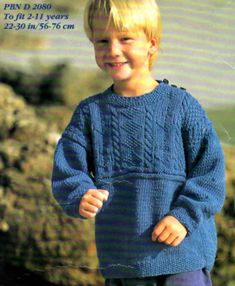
x: 224, y: 122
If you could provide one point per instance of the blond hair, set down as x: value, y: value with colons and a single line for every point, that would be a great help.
x: 133, y: 15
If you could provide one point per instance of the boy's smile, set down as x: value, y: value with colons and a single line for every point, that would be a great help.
x: 123, y: 55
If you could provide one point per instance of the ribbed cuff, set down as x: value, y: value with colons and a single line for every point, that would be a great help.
x: 72, y: 209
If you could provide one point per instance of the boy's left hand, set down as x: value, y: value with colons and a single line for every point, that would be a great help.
x: 169, y: 231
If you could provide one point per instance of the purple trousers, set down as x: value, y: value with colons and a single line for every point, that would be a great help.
x: 193, y: 278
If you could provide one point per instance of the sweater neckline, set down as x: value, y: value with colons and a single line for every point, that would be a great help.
x: 148, y: 97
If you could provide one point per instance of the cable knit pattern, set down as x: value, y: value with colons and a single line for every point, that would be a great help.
x: 157, y: 154
x: 148, y: 151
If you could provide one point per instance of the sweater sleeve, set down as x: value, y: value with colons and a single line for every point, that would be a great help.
x: 72, y: 164
x: 203, y: 193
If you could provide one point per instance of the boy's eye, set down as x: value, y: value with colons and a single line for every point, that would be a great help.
x: 106, y: 41
x: 102, y: 41
x: 126, y: 38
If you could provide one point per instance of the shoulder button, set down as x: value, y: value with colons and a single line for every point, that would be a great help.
x: 173, y: 85
x: 182, y: 88
x: 165, y: 81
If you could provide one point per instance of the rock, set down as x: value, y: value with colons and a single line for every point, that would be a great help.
x: 53, y: 138
x: 34, y: 232
x: 4, y: 227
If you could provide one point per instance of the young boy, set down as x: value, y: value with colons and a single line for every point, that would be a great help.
x: 142, y: 158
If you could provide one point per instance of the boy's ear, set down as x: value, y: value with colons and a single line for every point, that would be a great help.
x: 153, y: 46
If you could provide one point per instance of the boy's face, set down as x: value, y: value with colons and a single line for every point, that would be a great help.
x: 122, y: 55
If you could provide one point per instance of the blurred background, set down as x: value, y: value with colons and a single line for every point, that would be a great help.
x: 43, y: 76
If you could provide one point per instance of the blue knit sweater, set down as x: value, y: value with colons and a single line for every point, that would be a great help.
x: 157, y: 154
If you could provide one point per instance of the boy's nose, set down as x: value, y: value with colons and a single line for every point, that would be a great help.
x: 114, y: 48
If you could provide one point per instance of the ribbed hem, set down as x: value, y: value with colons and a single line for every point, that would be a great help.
x: 151, y: 266
x: 146, y: 98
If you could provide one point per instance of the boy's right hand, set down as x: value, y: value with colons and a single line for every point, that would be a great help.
x: 92, y: 201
